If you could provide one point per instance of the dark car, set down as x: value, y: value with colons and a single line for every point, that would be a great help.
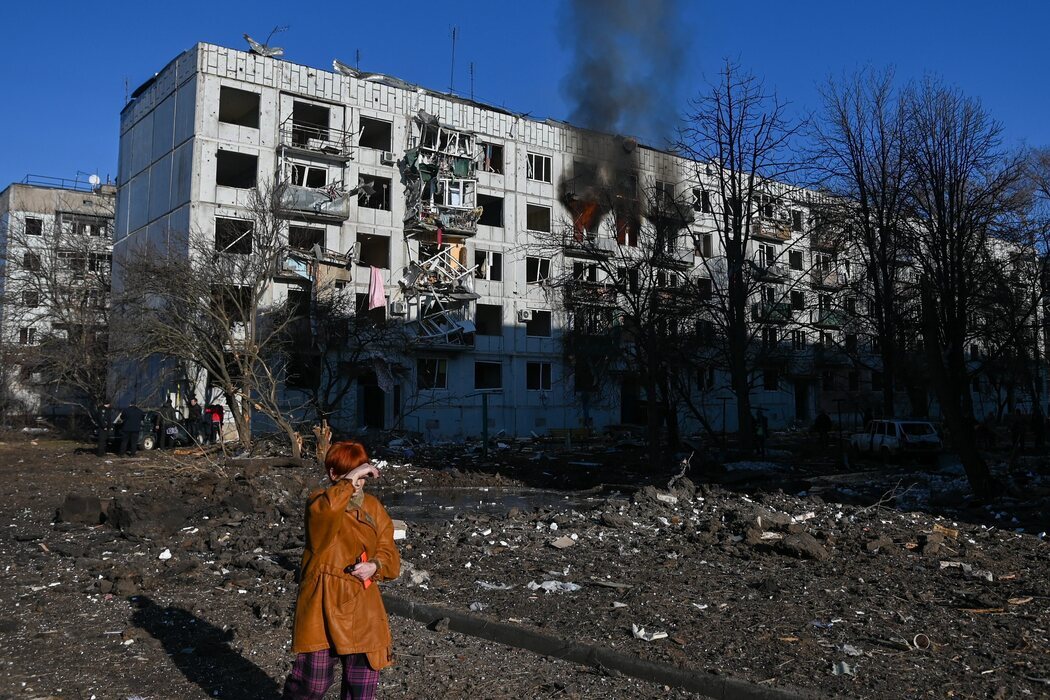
x: 149, y: 436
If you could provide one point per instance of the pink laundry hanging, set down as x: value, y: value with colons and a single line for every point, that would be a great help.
x: 376, y: 292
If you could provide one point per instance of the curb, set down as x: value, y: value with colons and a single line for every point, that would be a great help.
x: 707, y: 684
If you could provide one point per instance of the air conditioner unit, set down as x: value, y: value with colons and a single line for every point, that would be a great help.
x: 388, y: 158
x: 398, y: 308
x: 524, y: 315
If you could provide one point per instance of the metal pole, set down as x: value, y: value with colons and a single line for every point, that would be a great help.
x: 485, y: 425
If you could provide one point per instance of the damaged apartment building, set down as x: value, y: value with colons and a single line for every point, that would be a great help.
x: 438, y: 200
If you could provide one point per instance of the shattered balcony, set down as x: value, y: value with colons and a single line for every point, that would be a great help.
x: 315, y: 141
x: 442, y: 289
x: 828, y: 279
x: 666, y: 211
x: 329, y: 203
x: 440, y: 174
x: 771, y: 230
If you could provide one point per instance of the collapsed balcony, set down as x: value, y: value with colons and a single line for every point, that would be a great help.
x: 440, y: 181
x: 441, y: 288
x: 331, y: 202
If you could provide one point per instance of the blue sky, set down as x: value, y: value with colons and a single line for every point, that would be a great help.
x: 66, y: 66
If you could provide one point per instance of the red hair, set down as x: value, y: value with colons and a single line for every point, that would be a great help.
x: 345, y: 456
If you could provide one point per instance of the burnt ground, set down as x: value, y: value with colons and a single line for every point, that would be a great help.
x: 794, y: 572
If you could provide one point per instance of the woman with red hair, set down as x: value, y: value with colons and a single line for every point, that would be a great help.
x: 339, y: 614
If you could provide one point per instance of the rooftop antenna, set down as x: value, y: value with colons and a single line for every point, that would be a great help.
x: 452, y: 71
x: 472, y: 81
x: 357, y: 58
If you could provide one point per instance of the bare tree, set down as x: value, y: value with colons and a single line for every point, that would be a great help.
x: 963, y: 201
x: 740, y: 139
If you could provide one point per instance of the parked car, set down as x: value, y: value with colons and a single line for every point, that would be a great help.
x: 149, y: 437
x: 895, y: 438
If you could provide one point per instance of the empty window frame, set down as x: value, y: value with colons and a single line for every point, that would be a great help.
x: 798, y: 339
x: 375, y: 250
x: 27, y: 335
x: 795, y: 259
x: 492, y: 158
x: 30, y: 262
x: 767, y: 255
x: 234, y: 169
x: 539, y: 167
x: 233, y: 236
x: 305, y: 238
x: 798, y: 300
x: 701, y: 200
x: 34, y: 226
x: 488, y: 375
x: 538, y: 218
x: 488, y: 319
x: 380, y: 197
x: 491, y: 210
x: 312, y: 176
x: 309, y: 124
x: 796, y: 220
x: 538, y: 376
x: 539, y: 326
x: 86, y: 225
x: 488, y: 265
x: 432, y: 373
x: 583, y: 272
x: 537, y: 270
x: 376, y: 134
x: 705, y: 243
x: 239, y: 107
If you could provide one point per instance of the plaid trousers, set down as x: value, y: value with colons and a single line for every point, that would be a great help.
x: 312, y: 675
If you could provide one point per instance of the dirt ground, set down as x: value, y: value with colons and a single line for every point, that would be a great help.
x: 787, y: 576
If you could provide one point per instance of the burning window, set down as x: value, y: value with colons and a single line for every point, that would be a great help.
x: 375, y: 250
x: 628, y: 225
x: 489, y: 265
x: 488, y: 375
x: 491, y: 210
x: 233, y: 236
x: 492, y: 158
x: 539, y: 326
x: 235, y: 169
x: 239, y: 107
x: 34, y: 226
x: 432, y: 373
x: 312, y: 176
x: 375, y: 134
x: 539, y: 167
x: 538, y: 376
x: 305, y: 238
x: 537, y: 270
x: 538, y: 218
x: 380, y: 197
x: 488, y: 318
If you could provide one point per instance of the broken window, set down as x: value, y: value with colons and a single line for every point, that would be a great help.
x: 582, y: 272
x: 233, y: 235
x: 795, y: 259
x: 312, y: 176
x: 85, y: 224
x: 539, y: 326
x: 537, y: 218
x: 798, y: 340
x: 824, y: 263
x: 769, y: 337
x: 309, y: 123
x: 705, y: 244
x: 538, y: 376
x: 380, y: 197
x: 376, y: 315
x: 72, y: 260
x: 796, y: 220
x: 664, y: 194
x: 432, y: 373
x: 100, y: 262
x: 304, y: 237
x: 376, y: 134
x: 375, y: 250
x: 488, y: 319
x: 239, y: 107
x: 628, y: 279
x: 767, y: 255
x: 236, y: 169
x: 489, y: 265
x: 491, y: 210
x: 537, y: 270
x: 488, y: 375
x: 592, y: 320
x: 492, y: 158
x: 701, y: 200
x: 824, y: 302
x: 826, y: 339
x: 627, y: 227
x: 706, y: 288
x: 459, y: 194
x: 771, y: 380
x: 798, y: 300
x: 31, y: 262
x: 30, y: 300
x: 34, y: 226
x: 27, y: 335
x: 765, y: 206
x: 539, y: 167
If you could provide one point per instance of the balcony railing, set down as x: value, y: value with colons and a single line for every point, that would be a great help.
x: 323, y: 141
x: 329, y: 202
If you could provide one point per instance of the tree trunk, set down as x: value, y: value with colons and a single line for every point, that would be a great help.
x: 652, y: 415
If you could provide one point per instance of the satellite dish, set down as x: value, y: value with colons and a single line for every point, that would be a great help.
x: 94, y: 180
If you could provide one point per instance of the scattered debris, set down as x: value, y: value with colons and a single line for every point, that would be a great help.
x: 553, y: 586
x: 640, y: 633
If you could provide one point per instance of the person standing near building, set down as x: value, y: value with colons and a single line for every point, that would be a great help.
x: 193, y: 420
x: 349, y: 547
x: 130, y: 429
x: 216, y: 423
x: 166, y: 420
x: 105, y: 417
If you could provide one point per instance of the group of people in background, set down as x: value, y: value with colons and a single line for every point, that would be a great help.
x: 202, y: 424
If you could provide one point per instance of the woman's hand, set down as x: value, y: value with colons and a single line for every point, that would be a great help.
x: 364, y: 570
x: 357, y: 476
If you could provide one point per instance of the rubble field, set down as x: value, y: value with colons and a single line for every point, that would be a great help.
x: 174, y: 577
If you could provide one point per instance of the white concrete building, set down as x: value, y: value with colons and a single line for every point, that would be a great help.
x: 447, y: 174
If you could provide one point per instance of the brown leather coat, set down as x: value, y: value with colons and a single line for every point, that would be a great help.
x: 334, y: 609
